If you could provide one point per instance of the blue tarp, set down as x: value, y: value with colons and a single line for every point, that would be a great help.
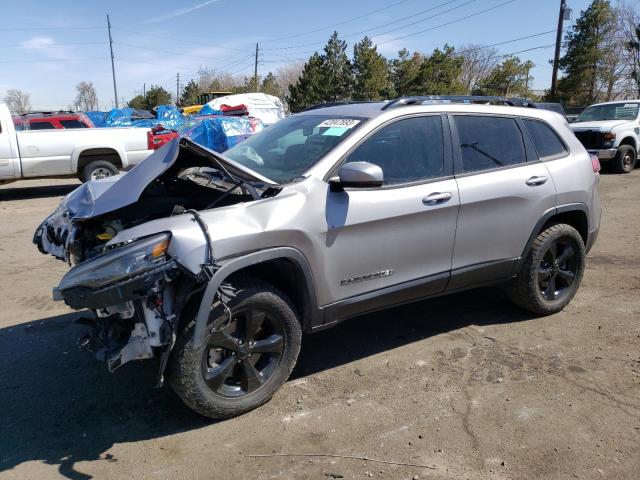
x: 217, y: 133
x: 167, y: 116
x: 207, y: 110
x: 97, y: 118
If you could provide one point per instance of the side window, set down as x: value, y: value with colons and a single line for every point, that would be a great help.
x: 545, y: 139
x: 408, y: 150
x: 489, y: 142
x: 72, y: 124
x: 40, y: 125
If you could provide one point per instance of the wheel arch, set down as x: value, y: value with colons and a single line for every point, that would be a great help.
x: 629, y: 140
x: 85, y: 155
x: 574, y: 214
x: 290, y: 266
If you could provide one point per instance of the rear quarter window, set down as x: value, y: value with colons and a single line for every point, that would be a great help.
x: 72, y: 124
x: 545, y: 140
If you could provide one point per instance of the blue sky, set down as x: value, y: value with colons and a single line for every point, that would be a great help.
x: 47, y: 47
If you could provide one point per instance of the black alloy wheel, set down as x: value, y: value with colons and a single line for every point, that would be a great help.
x: 557, y: 270
x: 243, y: 356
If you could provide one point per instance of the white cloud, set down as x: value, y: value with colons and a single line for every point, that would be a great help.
x: 180, y: 12
x: 37, y: 43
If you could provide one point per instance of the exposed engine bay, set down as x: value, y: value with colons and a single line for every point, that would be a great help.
x: 136, y: 288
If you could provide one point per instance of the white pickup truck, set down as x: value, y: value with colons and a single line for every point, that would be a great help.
x: 86, y: 153
x: 612, y: 132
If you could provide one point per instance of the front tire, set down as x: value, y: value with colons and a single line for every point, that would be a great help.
x: 242, y: 364
x: 552, y: 271
x: 625, y: 160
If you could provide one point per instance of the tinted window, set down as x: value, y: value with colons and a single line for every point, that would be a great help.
x: 489, y: 142
x: 545, y: 140
x: 72, y: 124
x: 408, y: 150
x: 40, y: 125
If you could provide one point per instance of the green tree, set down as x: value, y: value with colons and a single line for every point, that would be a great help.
x: 270, y: 85
x: 336, y: 70
x: 404, y: 73
x: 587, y: 49
x: 137, y: 102
x: 310, y: 88
x: 155, y: 96
x: 370, y: 70
x: 509, y: 78
x: 190, y: 94
x: 633, y: 46
x: 440, y: 73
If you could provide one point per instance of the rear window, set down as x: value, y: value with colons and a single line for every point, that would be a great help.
x: 545, y: 139
x: 72, y: 124
x: 489, y: 142
x: 40, y: 125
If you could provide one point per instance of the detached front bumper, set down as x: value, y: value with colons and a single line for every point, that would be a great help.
x: 604, y: 154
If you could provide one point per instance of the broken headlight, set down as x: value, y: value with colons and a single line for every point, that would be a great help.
x: 120, y: 263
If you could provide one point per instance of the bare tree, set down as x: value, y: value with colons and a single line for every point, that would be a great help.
x: 287, y: 76
x: 477, y: 64
x: 629, y: 21
x: 212, y: 80
x: 86, y: 100
x: 17, y: 101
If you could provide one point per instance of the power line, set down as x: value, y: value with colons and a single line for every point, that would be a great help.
x: 339, y: 23
x: 54, y: 60
x: 48, y: 28
x: 389, y: 23
x: 56, y: 44
x: 449, y: 23
x: 155, y: 49
x: 164, y: 37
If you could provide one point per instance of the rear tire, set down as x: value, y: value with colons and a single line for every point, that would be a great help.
x: 625, y: 160
x: 98, y: 169
x: 552, y: 271
x: 242, y: 364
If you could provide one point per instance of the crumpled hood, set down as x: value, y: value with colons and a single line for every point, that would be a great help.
x: 102, y: 196
x: 602, y: 126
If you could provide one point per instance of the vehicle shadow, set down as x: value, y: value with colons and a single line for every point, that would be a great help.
x: 40, y: 191
x: 60, y: 407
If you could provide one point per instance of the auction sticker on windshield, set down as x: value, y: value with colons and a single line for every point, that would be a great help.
x: 339, y: 123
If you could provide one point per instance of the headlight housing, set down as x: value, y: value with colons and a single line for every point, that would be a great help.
x: 118, y: 264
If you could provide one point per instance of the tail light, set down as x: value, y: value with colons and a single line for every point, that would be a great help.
x: 150, y: 141
x: 595, y: 163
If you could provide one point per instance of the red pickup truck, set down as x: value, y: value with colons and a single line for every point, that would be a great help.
x: 49, y: 120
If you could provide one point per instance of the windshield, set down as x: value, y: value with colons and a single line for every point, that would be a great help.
x: 612, y: 111
x: 286, y: 150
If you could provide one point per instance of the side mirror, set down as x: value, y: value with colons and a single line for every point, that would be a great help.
x: 357, y: 175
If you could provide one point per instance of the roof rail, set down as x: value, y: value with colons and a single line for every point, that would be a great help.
x: 466, y: 99
x: 48, y: 112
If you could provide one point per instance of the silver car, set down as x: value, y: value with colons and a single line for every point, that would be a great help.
x: 218, y: 263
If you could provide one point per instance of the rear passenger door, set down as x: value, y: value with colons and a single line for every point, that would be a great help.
x: 504, y: 190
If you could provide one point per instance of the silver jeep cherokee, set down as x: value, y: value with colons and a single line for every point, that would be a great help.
x: 218, y: 263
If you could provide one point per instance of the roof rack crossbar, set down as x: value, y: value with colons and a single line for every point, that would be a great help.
x: 478, y: 99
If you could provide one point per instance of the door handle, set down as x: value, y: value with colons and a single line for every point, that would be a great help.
x: 437, y: 197
x: 535, y: 181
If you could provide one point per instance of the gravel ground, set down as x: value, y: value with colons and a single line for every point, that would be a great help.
x: 467, y: 385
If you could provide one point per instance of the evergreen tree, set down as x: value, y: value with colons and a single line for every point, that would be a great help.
x: 137, y: 102
x: 310, y: 88
x: 337, y: 70
x: 585, y: 53
x: 507, y: 79
x: 404, y: 73
x: 371, y: 74
x: 270, y: 85
x: 439, y: 74
x: 155, y: 96
x: 190, y: 94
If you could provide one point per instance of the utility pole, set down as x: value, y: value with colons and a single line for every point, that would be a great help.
x: 526, y: 85
x: 177, y: 88
x: 113, y: 68
x: 556, y: 58
x: 255, y: 69
x: 144, y: 89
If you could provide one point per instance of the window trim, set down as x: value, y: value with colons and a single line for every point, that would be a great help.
x: 547, y: 158
x: 530, y: 153
x: 447, y: 151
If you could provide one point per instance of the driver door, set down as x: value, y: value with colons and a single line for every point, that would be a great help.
x: 400, y: 236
